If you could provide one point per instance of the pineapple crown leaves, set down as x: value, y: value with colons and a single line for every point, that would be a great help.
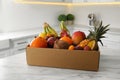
x: 98, y: 32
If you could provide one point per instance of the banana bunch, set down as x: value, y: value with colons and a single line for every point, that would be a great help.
x: 48, y: 31
x: 43, y: 34
x: 64, y: 30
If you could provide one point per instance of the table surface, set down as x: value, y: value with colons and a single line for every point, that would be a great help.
x: 15, y: 68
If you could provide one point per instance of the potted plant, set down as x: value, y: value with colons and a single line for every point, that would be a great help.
x: 70, y: 19
x: 62, y: 17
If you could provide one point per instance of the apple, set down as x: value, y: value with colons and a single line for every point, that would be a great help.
x: 77, y: 37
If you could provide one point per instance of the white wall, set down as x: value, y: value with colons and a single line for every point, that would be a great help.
x: 24, y: 16
x: 109, y: 14
x: 0, y: 13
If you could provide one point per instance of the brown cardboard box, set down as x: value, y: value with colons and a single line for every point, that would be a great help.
x: 62, y: 58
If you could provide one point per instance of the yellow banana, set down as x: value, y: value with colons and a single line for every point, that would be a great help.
x: 64, y: 30
x: 42, y: 34
x: 52, y: 31
x: 63, y: 27
x: 48, y: 32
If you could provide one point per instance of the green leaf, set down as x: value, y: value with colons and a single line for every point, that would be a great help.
x: 99, y: 26
x: 104, y: 32
x: 101, y: 42
x: 102, y: 37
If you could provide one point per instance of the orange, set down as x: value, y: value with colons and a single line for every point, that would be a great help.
x: 71, y: 47
x: 38, y: 42
x: 67, y: 39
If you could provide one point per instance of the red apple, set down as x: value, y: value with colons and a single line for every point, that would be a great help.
x: 77, y: 37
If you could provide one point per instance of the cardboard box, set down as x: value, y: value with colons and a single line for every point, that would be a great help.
x: 62, y: 58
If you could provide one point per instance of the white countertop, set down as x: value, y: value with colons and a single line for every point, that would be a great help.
x: 19, y: 34
x: 15, y: 68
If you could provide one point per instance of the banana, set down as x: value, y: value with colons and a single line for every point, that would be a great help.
x: 52, y: 31
x: 48, y: 31
x: 63, y: 27
x: 64, y: 30
x: 42, y: 34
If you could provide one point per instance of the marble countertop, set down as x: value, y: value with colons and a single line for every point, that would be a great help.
x: 15, y: 68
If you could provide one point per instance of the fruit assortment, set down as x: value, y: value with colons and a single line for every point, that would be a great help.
x: 49, y: 38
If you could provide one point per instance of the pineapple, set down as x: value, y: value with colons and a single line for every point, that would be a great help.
x: 94, y: 36
x: 98, y: 33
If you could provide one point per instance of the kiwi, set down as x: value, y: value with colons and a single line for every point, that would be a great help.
x: 60, y: 44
